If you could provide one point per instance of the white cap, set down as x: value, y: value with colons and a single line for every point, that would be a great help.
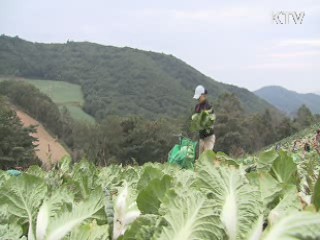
x: 200, y: 90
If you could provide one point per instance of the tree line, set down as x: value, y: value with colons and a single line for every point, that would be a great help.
x: 136, y: 140
x: 117, y: 81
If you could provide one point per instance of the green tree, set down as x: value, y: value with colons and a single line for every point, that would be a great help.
x: 285, y: 128
x: 67, y: 127
x: 126, y: 140
x: 304, y: 117
x: 148, y: 141
x: 16, y: 143
x: 117, y: 81
x: 269, y: 135
x: 31, y: 100
x: 229, y: 124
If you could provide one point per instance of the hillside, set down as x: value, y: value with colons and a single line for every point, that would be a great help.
x: 304, y: 136
x: 289, y: 101
x: 63, y: 94
x: 117, y: 81
x: 49, y: 150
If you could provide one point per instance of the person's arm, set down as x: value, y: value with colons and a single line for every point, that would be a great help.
x: 211, y: 111
x: 317, y: 140
x: 195, y: 112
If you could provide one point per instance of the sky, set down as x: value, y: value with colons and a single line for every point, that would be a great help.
x: 235, y: 42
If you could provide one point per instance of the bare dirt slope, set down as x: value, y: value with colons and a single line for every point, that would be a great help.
x: 49, y: 150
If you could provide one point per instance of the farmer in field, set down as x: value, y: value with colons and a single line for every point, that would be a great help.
x: 317, y: 141
x: 295, y: 147
x: 318, y: 137
x: 207, y: 137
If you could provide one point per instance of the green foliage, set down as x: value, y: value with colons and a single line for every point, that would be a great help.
x: 192, y: 217
x: 37, y: 104
x: 267, y: 158
x: 59, y: 226
x: 63, y: 94
x: 284, y: 170
x: 128, y: 82
x: 150, y: 198
x: 143, y: 228
x: 302, y: 225
x: 11, y: 231
x: 60, y: 92
x: 202, y: 121
x: 23, y: 195
x: 238, y: 132
x: 90, y: 231
x: 289, y: 202
x: 77, y: 113
x: 117, y: 81
x: 304, y: 117
x: 126, y: 140
x: 271, y: 190
x: 316, y: 194
x: 137, y: 140
x: 16, y: 143
x: 40, y: 107
x: 159, y: 201
x: 237, y: 202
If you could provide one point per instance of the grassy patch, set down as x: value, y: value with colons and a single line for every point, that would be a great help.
x: 60, y: 92
x: 63, y: 94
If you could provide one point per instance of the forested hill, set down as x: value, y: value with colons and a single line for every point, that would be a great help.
x: 289, y: 101
x: 117, y: 81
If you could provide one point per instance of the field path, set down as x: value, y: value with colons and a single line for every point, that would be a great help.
x: 49, y: 149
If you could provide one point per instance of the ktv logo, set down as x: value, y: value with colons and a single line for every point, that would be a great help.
x: 288, y: 17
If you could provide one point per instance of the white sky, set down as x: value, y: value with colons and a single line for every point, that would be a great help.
x: 231, y: 41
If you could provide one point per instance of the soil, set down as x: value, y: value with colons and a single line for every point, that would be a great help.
x: 49, y: 150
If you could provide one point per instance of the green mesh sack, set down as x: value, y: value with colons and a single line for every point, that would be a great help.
x: 183, y: 154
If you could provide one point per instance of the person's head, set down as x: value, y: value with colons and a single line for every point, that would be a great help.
x: 307, y: 147
x: 318, y: 131
x: 200, y: 94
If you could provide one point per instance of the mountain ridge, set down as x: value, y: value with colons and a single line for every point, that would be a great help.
x: 118, y: 81
x: 289, y: 101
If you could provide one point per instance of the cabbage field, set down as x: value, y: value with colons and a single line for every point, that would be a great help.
x: 274, y: 195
